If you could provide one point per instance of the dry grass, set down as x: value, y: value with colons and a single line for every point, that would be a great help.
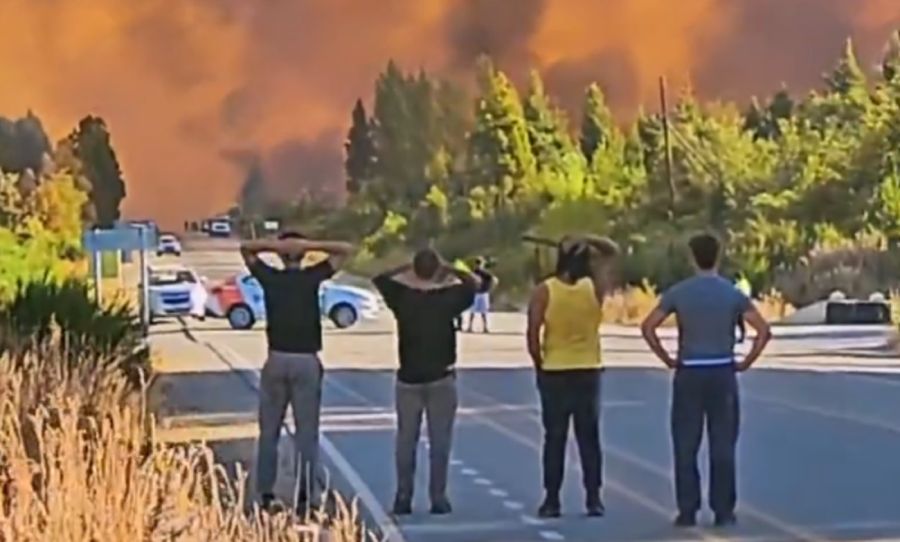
x: 632, y: 304
x: 79, y: 463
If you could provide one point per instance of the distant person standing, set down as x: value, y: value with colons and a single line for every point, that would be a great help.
x: 705, y: 387
x: 743, y: 285
x: 564, y: 317
x: 482, y: 304
x: 292, y: 372
x: 460, y: 265
x: 425, y: 297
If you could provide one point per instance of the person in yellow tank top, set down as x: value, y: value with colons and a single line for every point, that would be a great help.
x: 563, y: 335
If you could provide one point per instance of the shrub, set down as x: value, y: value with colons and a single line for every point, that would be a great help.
x: 61, y: 319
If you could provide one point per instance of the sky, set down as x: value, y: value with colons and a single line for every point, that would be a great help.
x: 191, y: 88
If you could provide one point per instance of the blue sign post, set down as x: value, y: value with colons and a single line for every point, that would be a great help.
x: 123, y: 238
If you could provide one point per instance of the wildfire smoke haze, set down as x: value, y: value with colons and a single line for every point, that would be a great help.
x: 186, y: 85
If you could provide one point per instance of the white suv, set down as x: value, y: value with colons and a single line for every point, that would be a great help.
x: 220, y: 228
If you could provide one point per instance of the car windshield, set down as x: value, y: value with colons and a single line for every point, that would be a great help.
x: 167, y: 239
x: 163, y: 278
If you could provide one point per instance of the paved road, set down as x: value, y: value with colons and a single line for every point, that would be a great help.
x: 817, y: 456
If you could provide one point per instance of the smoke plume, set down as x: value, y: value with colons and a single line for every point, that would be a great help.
x: 184, y: 83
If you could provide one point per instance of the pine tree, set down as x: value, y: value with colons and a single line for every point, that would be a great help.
x: 500, y: 153
x: 847, y: 78
x: 596, y: 123
x: 360, y: 158
x: 547, y: 131
x: 890, y: 65
x: 93, y: 148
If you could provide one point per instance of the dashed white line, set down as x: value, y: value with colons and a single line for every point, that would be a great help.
x: 483, y: 482
x: 529, y: 520
x: 456, y: 462
x: 497, y: 492
x: 513, y: 505
x: 469, y: 472
x: 551, y: 535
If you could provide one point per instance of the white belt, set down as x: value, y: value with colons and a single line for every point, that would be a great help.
x: 708, y: 362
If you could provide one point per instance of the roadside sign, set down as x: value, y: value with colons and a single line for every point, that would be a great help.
x: 126, y: 238
x: 271, y: 225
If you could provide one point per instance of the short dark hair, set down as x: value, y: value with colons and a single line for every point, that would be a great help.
x: 290, y: 234
x: 573, y: 259
x: 426, y: 263
x: 705, y: 248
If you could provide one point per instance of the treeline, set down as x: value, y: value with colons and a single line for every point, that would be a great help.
x: 48, y: 194
x: 782, y: 179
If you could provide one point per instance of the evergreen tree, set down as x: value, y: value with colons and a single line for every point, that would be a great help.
x: 93, y: 148
x: 547, y: 130
x: 23, y: 144
x: 596, y: 123
x: 500, y: 152
x: 360, y: 157
x: 890, y: 65
x: 847, y: 78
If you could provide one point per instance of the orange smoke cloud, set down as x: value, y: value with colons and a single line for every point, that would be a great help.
x: 187, y: 85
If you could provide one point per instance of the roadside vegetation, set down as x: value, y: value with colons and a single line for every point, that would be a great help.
x: 79, y: 459
x: 805, y: 188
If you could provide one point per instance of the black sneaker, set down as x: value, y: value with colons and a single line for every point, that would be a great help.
x: 550, y: 508
x: 686, y: 520
x: 270, y: 505
x: 402, y: 507
x: 441, y: 507
x: 595, y: 508
x: 725, y: 520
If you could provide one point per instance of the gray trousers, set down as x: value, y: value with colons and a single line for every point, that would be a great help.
x: 438, y: 401
x: 705, y: 396
x: 294, y: 379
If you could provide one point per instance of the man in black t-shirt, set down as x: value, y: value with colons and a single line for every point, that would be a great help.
x: 425, y: 305
x: 292, y: 372
x: 482, y: 303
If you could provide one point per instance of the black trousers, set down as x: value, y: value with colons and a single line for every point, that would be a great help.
x: 571, y: 396
x: 705, y: 395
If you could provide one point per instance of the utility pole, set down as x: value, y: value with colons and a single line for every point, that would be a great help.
x: 668, y: 145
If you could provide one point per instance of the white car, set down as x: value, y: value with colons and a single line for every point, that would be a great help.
x: 168, y: 244
x: 220, y: 228
x: 176, y: 291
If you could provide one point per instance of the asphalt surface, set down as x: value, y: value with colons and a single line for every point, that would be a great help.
x: 817, y: 455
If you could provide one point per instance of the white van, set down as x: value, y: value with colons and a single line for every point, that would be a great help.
x: 219, y: 228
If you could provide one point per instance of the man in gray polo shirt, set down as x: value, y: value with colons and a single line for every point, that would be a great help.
x: 707, y: 308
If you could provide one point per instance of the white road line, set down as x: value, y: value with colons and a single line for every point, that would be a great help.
x: 456, y: 462
x: 469, y: 471
x: 452, y: 527
x: 483, y: 482
x: 551, y: 535
x: 497, y: 492
x: 389, y: 530
x: 530, y: 520
x: 513, y: 505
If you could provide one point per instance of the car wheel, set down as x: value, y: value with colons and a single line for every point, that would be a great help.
x: 241, y: 317
x: 343, y: 315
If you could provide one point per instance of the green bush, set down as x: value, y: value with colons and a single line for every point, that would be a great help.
x: 62, y: 320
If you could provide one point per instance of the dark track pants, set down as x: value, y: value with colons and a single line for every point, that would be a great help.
x: 575, y: 396
x: 705, y: 395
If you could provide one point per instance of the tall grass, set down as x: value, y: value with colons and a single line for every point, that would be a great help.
x: 79, y: 463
